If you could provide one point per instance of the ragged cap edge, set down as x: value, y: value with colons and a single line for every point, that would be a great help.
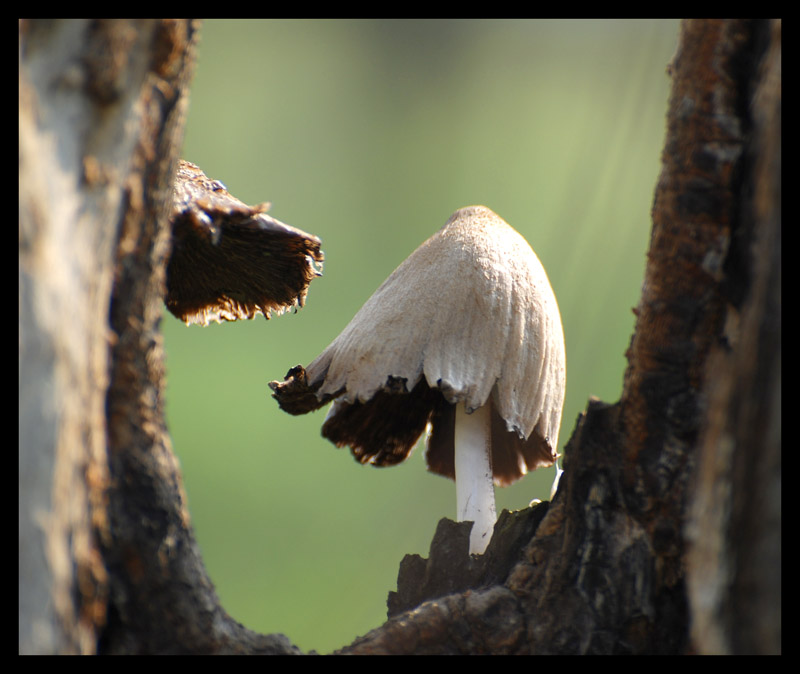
x: 295, y: 395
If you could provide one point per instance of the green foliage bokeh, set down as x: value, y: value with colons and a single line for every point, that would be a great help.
x: 369, y: 134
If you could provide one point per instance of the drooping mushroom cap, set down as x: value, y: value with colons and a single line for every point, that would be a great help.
x: 469, y: 317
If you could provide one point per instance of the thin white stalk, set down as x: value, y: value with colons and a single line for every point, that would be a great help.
x: 474, y: 484
x: 557, y: 479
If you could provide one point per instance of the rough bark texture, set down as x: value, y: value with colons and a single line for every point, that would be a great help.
x: 734, y: 525
x: 664, y: 536
x: 91, y: 115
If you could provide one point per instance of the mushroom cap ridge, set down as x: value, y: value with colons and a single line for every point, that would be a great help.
x: 468, y: 317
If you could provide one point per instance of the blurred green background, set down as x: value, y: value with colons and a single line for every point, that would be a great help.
x: 369, y: 134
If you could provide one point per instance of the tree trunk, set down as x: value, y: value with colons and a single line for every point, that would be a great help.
x: 664, y: 536
x: 100, y: 116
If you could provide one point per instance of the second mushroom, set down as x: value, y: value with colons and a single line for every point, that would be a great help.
x: 464, y: 340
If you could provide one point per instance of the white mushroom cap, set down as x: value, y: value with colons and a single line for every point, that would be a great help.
x: 468, y: 317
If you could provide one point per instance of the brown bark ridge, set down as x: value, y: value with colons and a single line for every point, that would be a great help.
x: 606, y: 570
x: 734, y: 522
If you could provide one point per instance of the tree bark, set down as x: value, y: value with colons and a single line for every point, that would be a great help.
x: 734, y: 522
x: 100, y: 105
x: 664, y: 535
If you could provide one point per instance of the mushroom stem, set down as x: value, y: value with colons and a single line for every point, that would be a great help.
x: 474, y: 483
x: 554, y: 487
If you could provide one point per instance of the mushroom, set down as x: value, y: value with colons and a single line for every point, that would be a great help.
x: 463, y: 339
x: 230, y: 261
